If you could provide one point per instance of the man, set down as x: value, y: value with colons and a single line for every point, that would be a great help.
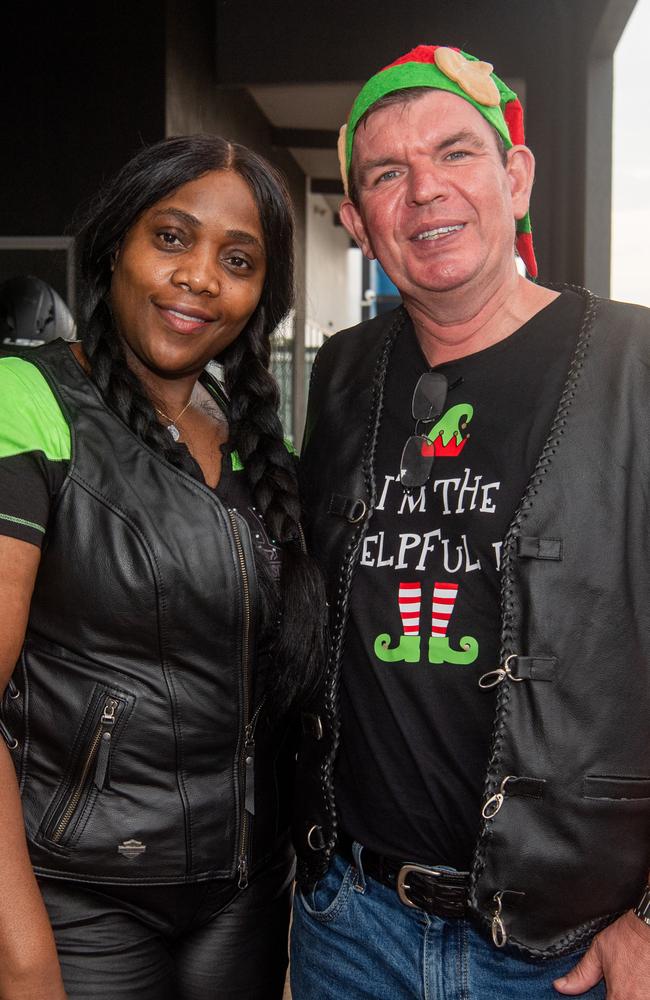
x: 475, y: 803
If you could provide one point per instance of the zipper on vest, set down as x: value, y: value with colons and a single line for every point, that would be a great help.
x: 98, y: 753
x: 249, y: 795
x: 246, y: 770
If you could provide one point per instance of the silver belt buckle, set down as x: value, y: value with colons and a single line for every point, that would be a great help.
x: 403, y: 887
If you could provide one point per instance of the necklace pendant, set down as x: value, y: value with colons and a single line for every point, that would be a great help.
x: 174, y: 431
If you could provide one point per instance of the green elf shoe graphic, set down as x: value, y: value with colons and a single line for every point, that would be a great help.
x: 442, y: 606
x: 408, y: 647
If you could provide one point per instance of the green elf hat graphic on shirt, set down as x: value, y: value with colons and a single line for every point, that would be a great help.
x: 444, y: 68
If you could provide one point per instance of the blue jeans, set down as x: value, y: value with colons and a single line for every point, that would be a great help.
x: 352, y: 939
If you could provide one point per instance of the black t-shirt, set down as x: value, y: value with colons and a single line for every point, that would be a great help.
x: 424, y: 618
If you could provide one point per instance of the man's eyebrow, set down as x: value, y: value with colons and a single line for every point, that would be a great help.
x: 464, y: 136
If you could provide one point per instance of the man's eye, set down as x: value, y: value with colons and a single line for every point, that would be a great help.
x: 387, y: 176
x: 458, y: 154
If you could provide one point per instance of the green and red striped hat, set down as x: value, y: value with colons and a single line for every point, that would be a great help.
x: 446, y: 68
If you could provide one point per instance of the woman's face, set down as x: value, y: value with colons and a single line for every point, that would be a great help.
x: 189, y: 274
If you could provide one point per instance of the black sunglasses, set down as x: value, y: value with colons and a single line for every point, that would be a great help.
x: 429, y: 398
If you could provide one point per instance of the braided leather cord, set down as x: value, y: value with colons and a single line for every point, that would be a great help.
x: 510, y: 623
x: 348, y: 568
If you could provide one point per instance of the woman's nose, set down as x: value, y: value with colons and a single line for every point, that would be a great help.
x: 198, y: 273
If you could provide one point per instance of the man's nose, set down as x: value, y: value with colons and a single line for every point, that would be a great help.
x: 426, y: 182
x: 198, y: 272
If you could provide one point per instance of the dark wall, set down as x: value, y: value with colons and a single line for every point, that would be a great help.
x: 339, y: 40
x: 196, y: 103
x: 548, y: 43
x: 83, y: 87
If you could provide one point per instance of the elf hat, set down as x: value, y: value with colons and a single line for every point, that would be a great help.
x: 443, y: 68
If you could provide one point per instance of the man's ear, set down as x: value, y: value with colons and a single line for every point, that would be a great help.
x: 351, y: 218
x: 520, y: 168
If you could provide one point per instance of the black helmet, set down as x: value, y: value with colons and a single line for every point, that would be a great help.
x: 32, y: 313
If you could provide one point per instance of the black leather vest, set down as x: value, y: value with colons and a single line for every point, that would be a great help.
x: 565, y: 843
x: 132, y: 704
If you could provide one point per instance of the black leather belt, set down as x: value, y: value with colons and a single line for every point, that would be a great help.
x: 434, y: 890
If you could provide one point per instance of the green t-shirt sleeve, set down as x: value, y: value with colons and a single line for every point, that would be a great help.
x: 34, y: 450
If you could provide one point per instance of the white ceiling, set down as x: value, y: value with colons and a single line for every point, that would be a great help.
x: 309, y: 106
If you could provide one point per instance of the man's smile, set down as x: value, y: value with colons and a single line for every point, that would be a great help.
x: 437, y: 232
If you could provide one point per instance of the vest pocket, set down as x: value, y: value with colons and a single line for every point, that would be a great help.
x: 89, y: 771
x: 604, y: 786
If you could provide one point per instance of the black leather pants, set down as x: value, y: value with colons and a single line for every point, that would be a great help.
x: 203, y: 941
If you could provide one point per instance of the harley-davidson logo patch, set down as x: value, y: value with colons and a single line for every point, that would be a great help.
x: 131, y: 849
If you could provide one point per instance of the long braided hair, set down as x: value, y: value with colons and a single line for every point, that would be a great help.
x: 255, y: 429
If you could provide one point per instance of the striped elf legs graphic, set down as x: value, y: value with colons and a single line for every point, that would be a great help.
x: 408, y: 648
x: 410, y: 599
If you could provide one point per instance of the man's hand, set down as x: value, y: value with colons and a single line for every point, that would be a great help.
x: 620, y: 953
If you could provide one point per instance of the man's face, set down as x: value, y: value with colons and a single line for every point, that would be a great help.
x: 437, y: 207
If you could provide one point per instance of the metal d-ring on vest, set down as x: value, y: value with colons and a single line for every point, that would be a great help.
x: 494, y: 803
x: 494, y: 677
x: 499, y: 933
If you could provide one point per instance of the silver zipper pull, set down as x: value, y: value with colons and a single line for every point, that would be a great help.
x: 243, y: 873
x: 100, y: 777
x: 249, y: 776
x: 108, y: 715
x: 102, y: 759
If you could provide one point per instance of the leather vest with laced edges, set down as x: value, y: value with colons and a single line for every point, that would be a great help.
x: 565, y: 845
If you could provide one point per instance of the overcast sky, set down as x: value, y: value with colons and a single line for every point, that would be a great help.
x: 631, y: 182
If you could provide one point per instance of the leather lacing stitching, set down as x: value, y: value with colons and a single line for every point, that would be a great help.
x: 345, y: 579
x: 509, y: 615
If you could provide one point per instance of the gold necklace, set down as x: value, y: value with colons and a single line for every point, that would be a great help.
x: 172, y: 428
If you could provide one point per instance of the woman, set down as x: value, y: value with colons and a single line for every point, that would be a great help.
x: 149, y: 516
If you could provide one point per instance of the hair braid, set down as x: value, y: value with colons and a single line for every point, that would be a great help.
x: 121, y: 389
x: 256, y: 433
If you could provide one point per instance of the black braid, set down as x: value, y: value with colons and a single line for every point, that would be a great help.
x: 122, y: 391
x: 256, y: 433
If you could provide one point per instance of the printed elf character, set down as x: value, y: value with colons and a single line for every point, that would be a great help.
x: 408, y: 648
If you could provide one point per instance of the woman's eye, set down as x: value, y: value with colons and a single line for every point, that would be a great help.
x: 238, y: 262
x: 170, y: 239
